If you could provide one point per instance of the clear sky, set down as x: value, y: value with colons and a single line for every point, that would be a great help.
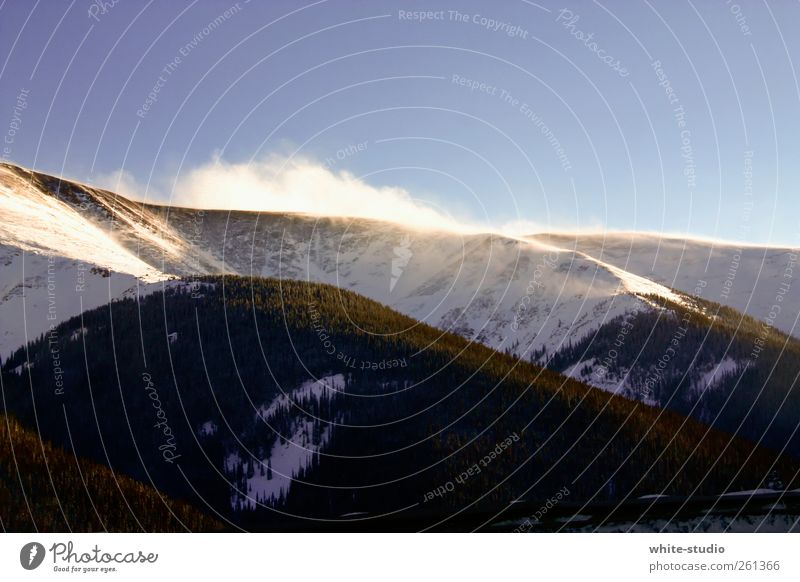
x: 669, y: 115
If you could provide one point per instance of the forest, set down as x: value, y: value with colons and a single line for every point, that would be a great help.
x: 433, y: 426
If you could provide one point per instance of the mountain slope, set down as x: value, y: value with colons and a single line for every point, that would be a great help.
x: 36, y: 220
x: 525, y: 294
x: 748, y: 278
x: 497, y: 290
x: 286, y: 398
x: 55, y: 261
x: 505, y: 292
x: 46, y: 489
x: 550, y: 298
x: 711, y: 362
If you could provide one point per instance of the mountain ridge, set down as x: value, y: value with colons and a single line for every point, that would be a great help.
x: 486, y: 271
x: 527, y: 295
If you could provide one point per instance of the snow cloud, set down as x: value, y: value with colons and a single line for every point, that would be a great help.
x: 284, y: 184
x: 280, y: 184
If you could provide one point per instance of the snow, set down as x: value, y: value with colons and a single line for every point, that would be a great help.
x: 288, y: 456
x: 607, y: 381
x: 745, y: 277
x: 55, y: 262
x: 497, y: 290
x: 208, y: 428
x: 311, y: 389
x: 39, y: 223
x: 711, y: 377
x: 287, y: 459
x: 639, y: 285
x: 37, y: 292
x: 517, y: 293
x: 77, y: 334
x: 752, y: 492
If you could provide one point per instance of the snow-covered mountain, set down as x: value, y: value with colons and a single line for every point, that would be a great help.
x: 522, y: 294
x: 584, y: 305
x: 502, y: 291
x: 749, y: 278
x: 56, y: 261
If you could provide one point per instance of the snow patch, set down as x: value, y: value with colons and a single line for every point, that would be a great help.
x: 710, y: 378
x: 208, y: 428
x: 272, y: 476
x: 78, y: 333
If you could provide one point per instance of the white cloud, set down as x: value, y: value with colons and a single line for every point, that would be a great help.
x: 279, y: 184
x: 282, y: 184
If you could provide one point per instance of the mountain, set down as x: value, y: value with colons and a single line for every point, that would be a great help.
x: 56, y: 256
x: 284, y: 404
x: 520, y: 294
x: 748, y: 278
x: 564, y: 301
x: 712, y: 363
x: 686, y: 326
x: 476, y: 285
x: 45, y: 488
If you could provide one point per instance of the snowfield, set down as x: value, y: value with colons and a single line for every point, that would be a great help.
x: 747, y: 278
x: 37, y: 222
x: 521, y: 294
x: 272, y: 476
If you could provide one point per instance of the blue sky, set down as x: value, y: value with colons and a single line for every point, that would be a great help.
x: 669, y: 116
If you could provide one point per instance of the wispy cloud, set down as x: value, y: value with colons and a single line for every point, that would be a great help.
x: 282, y: 184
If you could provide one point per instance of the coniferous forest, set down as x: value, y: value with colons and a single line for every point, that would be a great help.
x: 420, y: 425
x: 724, y: 368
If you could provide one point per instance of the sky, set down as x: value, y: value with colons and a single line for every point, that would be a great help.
x: 669, y: 116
